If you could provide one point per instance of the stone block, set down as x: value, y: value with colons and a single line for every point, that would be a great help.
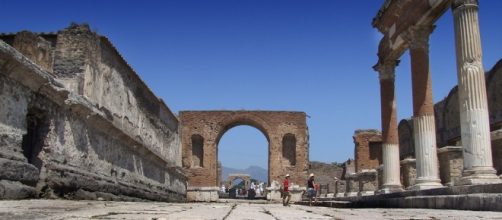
x: 496, y: 138
x: 367, y: 182
x: 18, y: 171
x: 340, y: 187
x: 352, y: 185
x: 16, y: 190
x: 408, y: 172
x: 274, y: 195
x: 202, y: 194
x: 451, y: 164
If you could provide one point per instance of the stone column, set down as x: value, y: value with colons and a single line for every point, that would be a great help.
x: 390, y: 141
x: 424, y: 131
x: 474, y: 123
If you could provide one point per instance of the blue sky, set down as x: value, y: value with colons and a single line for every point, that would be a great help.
x: 311, y: 55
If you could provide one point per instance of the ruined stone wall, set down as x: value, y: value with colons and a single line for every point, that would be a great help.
x: 368, y: 149
x: 406, y: 141
x: 276, y: 126
x: 494, y: 89
x: 56, y: 140
x: 325, y: 174
x: 451, y: 119
x: 349, y: 168
x: 99, y: 73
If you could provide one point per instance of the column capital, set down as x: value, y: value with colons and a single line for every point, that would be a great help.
x: 418, y: 36
x: 387, y: 69
x: 462, y: 3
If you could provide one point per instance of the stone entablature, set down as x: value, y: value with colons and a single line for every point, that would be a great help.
x: 58, y: 140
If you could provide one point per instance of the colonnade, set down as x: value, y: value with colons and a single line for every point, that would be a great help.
x: 474, y: 121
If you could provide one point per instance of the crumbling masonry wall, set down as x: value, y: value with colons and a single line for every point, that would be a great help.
x: 368, y: 149
x: 78, y: 122
x: 326, y: 175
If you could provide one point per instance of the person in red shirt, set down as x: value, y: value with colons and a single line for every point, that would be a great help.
x: 286, y: 196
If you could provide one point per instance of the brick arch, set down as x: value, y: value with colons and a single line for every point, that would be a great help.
x: 232, y: 177
x: 244, y: 119
x: 212, y: 125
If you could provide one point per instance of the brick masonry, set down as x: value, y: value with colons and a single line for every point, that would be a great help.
x: 284, y: 131
x: 368, y: 149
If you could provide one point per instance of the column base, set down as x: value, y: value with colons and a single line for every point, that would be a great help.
x: 202, y: 194
x: 389, y: 189
x: 366, y: 193
x: 350, y: 194
x: 422, y: 184
x: 481, y: 175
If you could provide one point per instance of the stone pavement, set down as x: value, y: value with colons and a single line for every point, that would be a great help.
x: 226, y: 209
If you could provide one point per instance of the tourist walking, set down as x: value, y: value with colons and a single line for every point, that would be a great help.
x: 311, y: 189
x: 286, y: 196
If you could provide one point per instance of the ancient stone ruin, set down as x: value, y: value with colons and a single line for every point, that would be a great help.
x: 455, y: 142
x: 286, y: 132
x: 470, y: 114
x: 78, y: 122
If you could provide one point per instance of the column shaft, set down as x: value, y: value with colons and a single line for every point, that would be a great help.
x: 474, y: 122
x: 423, y: 109
x: 390, y: 145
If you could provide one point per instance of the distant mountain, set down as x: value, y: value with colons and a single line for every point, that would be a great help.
x: 255, y: 172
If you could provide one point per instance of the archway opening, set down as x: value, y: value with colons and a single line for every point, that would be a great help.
x: 197, y: 151
x: 289, y: 149
x: 244, y: 149
x: 37, y: 127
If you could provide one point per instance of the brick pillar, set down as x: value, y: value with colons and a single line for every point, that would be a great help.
x: 423, y: 109
x: 390, y: 141
x: 474, y: 123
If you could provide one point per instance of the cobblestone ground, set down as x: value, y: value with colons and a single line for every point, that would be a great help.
x: 63, y: 209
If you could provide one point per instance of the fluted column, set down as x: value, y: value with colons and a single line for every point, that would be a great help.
x: 474, y: 123
x: 424, y: 131
x: 390, y: 141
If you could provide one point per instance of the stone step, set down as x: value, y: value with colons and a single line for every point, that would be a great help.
x: 475, y: 202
